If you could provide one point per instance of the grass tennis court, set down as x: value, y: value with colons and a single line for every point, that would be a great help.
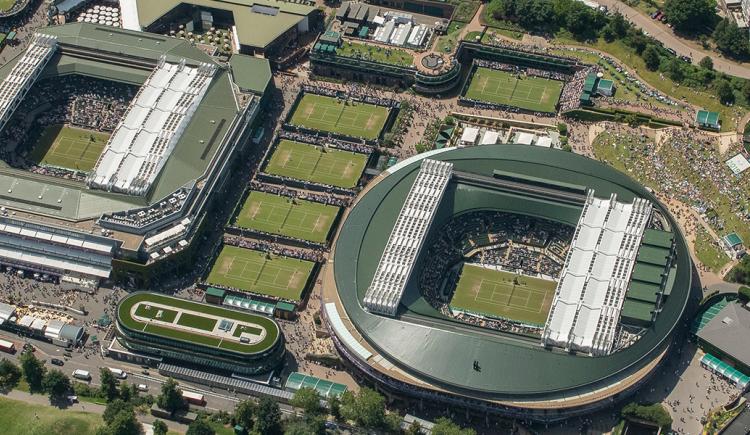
x: 503, y: 87
x: 313, y: 163
x: 276, y: 214
x: 69, y: 147
x: 253, y: 271
x: 503, y: 294
x: 349, y: 118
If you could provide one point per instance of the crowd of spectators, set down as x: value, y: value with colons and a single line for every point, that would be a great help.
x: 511, y: 242
x: 326, y: 140
x: 570, y: 98
x: 77, y: 101
x: 354, y: 91
x: 301, y: 194
x: 316, y: 254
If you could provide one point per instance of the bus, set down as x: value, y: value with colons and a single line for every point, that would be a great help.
x: 82, y: 375
x: 194, y: 398
x: 7, y: 346
x: 119, y: 374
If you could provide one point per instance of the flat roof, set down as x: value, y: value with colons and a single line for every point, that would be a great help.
x: 253, y: 28
x: 250, y: 73
x: 442, y: 352
x: 704, y: 117
x: 653, y: 255
x: 638, y: 310
x: 729, y: 330
x: 642, y: 291
x: 657, y: 238
x: 648, y: 273
x: 125, y: 318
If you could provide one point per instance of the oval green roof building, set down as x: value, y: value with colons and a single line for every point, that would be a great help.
x: 421, y: 352
x: 199, y: 333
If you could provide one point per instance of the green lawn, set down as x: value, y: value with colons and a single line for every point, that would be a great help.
x: 6, y: 5
x: 127, y: 304
x: 239, y: 329
x: 375, y: 53
x: 349, y: 118
x: 448, y: 42
x: 503, y: 295
x: 197, y: 322
x: 702, y: 99
x: 69, y: 147
x: 502, y: 87
x: 253, y: 271
x: 313, y: 163
x: 298, y: 218
x: 149, y: 312
x: 708, y: 253
x: 20, y: 418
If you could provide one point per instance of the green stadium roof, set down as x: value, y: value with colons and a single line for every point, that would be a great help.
x: 704, y: 117
x: 653, y: 255
x: 253, y: 29
x: 657, y: 238
x: 216, y: 292
x: 323, y: 387
x: 642, y: 291
x: 442, y: 352
x: 733, y: 239
x: 638, y: 310
x: 647, y: 273
x: 251, y: 73
x: 197, y: 339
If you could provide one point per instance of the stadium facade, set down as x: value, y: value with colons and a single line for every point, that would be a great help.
x: 605, y: 332
x: 147, y: 196
x: 165, y: 337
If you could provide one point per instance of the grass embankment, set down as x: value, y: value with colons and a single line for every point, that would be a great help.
x: 655, y: 79
x: 20, y: 418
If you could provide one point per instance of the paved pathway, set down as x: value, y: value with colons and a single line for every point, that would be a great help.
x: 682, y: 46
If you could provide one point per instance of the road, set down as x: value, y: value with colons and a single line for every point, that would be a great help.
x: 664, y: 34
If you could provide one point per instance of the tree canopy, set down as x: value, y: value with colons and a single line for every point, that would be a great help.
x: 200, y: 427
x: 366, y: 408
x: 56, y: 384
x: 33, y: 371
x: 108, y: 388
x: 268, y: 417
x: 10, y: 374
x: 170, y: 398
x: 689, y: 16
x: 307, y: 399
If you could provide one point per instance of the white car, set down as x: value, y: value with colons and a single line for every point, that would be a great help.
x: 142, y: 387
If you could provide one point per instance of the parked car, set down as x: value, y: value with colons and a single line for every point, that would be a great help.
x: 145, y: 372
x: 57, y: 362
x: 671, y: 50
x: 142, y: 387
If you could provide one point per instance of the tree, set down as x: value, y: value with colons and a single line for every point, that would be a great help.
x: 170, y: 398
x: 124, y: 423
x: 108, y: 388
x: 689, y: 16
x: 744, y: 293
x: 315, y: 425
x: 392, y: 422
x: 160, y: 428
x: 200, y: 427
x: 307, y: 399
x: 33, y: 371
x: 651, y: 57
x: 115, y: 407
x: 56, y: 384
x: 334, y: 407
x: 10, y: 374
x: 675, y: 70
x: 730, y: 40
x: 366, y: 408
x: 706, y: 63
x: 444, y: 426
x: 724, y: 91
x: 268, y: 417
x: 243, y: 413
x: 618, y: 24
x: 654, y: 413
x: 414, y: 429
